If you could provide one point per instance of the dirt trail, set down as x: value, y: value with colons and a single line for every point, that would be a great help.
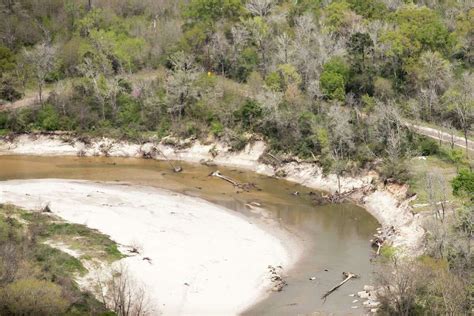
x: 30, y: 99
x: 442, y: 136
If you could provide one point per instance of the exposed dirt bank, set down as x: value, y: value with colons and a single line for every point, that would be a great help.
x: 388, y: 204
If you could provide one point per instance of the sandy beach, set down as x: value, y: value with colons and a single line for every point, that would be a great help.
x: 205, y: 259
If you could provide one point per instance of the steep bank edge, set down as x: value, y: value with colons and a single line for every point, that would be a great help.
x: 388, y: 204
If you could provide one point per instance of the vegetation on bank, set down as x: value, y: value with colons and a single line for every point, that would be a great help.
x: 438, y: 282
x: 37, y: 279
x: 333, y: 81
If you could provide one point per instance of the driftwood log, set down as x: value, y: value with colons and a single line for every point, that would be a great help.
x: 347, y: 276
x: 174, y: 167
x: 235, y: 183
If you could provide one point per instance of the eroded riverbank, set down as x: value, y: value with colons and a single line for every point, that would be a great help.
x: 388, y: 204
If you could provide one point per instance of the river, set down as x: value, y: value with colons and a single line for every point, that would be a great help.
x: 335, y: 238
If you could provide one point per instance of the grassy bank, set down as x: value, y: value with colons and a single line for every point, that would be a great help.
x: 38, y: 279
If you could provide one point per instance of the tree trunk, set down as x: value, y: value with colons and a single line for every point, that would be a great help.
x: 40, y: 93
x: 467, y: 143
x: 339, y: 182
x: 348, y: 276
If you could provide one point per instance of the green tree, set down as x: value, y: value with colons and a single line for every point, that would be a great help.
x: 360, y: 47
x: 371, y: 9
x: 249, y: 113
x: 285, y: 76
x: 417, y: 28
x: 7, y: 60
x: 336, y: 15
x: 333, y: 79
x: 210, y: 11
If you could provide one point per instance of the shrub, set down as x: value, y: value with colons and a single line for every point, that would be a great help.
x: 3, y: 120
x: 33, y: 297
x: 463, y: 184
x: 428, y: 147
x: 48, y: 118
x: 8, y: 92
x: 455, y: 156
x: 249, y: 113
x: 217, y: 128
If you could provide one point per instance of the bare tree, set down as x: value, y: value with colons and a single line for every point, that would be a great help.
x: 260, y: 7
x: 42, y: 60
x: 91, y: 71
x: 459, y: 101
x: 454, y: 293
x: 124, y: 295
x: 341, y: 136
x: 219, y: 50
x: 340, y: 140
x: 437, y: 238
x: 433, y: 75
x: 399, y: 284
x: 285, y: 48
x: 180, y: 83
x: 436, y: 188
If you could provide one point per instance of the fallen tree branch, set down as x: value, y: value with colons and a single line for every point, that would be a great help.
x: 175, y: 168
x: 340, y: 197
x: 244, y: 186
x: 348, y: 276
x: 230, y: 180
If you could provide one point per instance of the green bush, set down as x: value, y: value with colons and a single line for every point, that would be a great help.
x: 463, y: 184
x: 33, y: 297
x: 429, y: 147
x: 217, y: 128
x: 3, y: 120
x: 247, y: 63
x: 388, y: 252
x: 249, y: 113
x: 48, y: 118
x: 455, y: 156
x: 273, y: 81
x: 238, y: 142
x: 8, y: 91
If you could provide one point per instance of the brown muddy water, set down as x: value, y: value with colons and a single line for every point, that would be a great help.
x: 334, y: 237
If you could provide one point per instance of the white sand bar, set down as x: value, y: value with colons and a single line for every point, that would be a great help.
x: 221, y: 255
